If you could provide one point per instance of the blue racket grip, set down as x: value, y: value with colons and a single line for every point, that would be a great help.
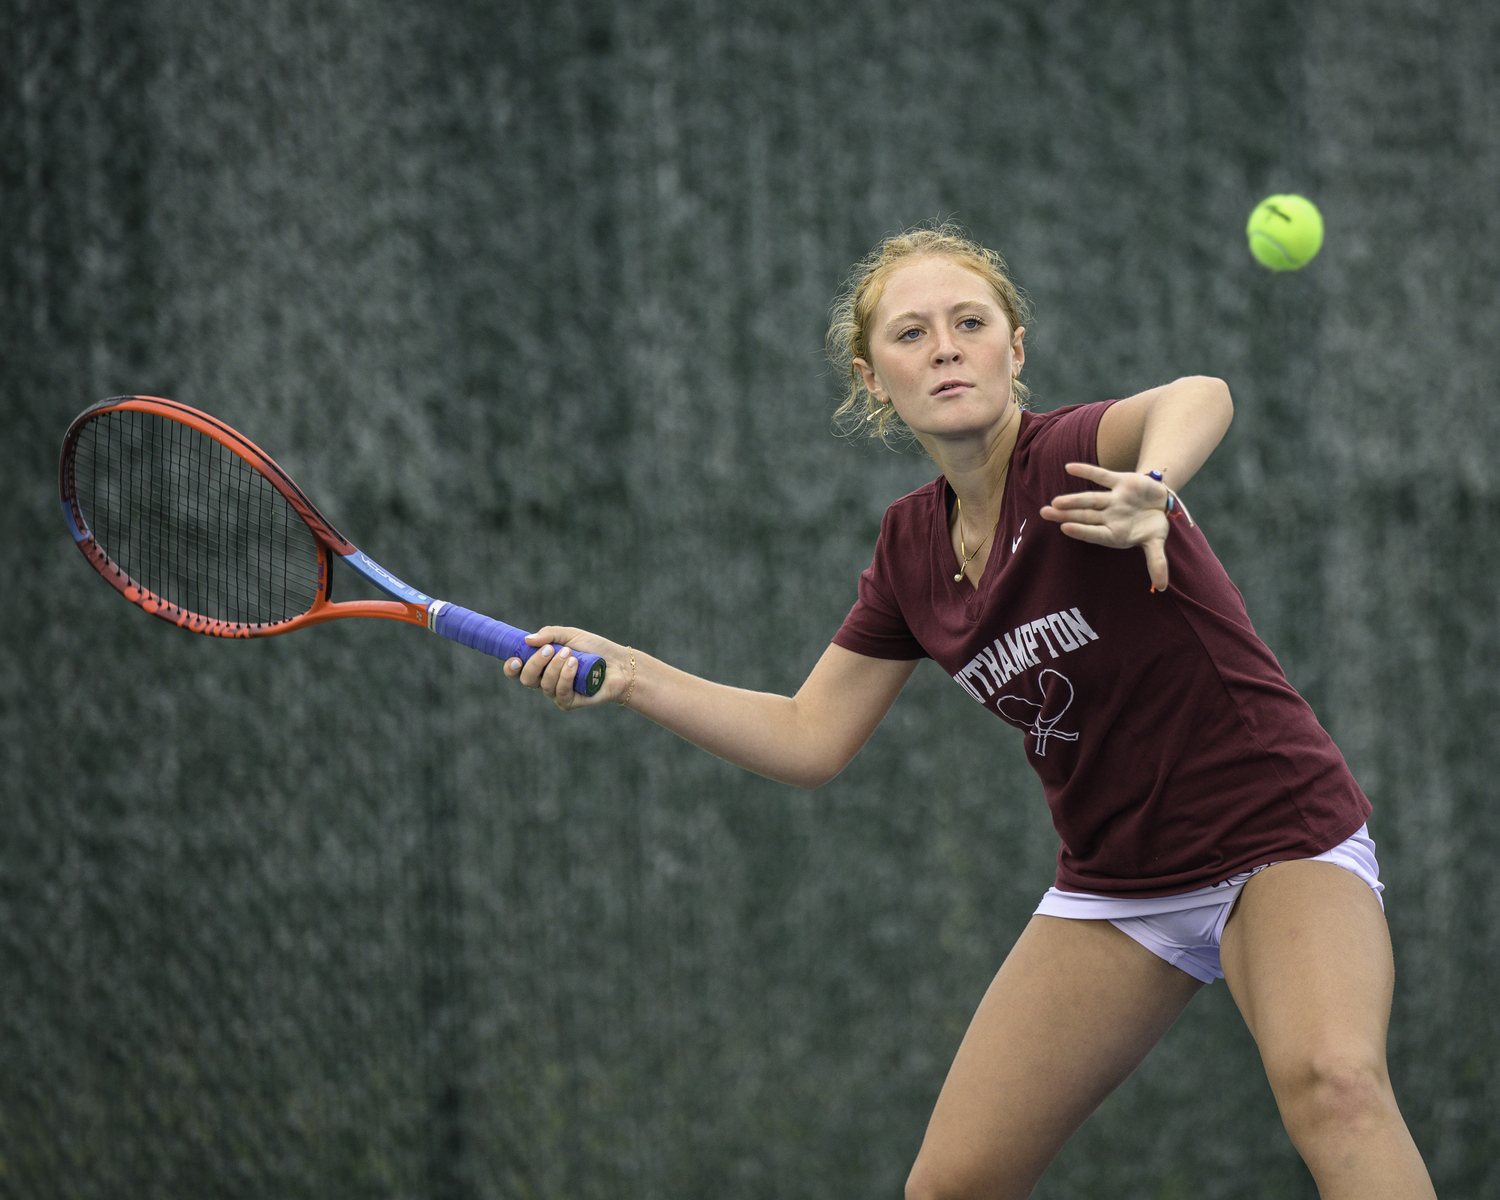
x: 489, y: 636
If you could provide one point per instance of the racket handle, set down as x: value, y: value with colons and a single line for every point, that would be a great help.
x: 489, y: 636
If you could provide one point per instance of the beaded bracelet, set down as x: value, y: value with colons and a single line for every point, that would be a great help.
x: 1175, y: 507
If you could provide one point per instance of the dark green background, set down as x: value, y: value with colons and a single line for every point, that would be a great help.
x: 530, y: 298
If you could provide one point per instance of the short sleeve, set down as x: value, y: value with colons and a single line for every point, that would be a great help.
x: 1062, y: 436
x: 875, y: 626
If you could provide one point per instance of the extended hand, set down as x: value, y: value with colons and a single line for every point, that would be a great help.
x: 1131, y: 513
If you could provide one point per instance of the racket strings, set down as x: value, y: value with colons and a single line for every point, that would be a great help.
x: 193, y: 522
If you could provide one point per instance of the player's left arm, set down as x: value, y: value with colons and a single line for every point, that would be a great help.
x: 1172, y: 430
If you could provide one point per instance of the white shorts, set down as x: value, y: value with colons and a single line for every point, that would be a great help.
x: 1185, y: 929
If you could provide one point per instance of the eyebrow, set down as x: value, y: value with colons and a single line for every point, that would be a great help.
x: 913, y: 315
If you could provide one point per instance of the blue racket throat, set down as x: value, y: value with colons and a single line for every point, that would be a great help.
x: 362, y: 564
x: 488, y: 636
x: 468, y: 628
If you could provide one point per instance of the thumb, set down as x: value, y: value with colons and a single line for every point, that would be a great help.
x: 1156, y: 563
x: 556, y: 635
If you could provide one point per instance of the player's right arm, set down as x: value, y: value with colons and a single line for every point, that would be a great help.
x: 804, y: 740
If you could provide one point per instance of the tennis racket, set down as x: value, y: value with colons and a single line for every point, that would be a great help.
x: 194, y: 523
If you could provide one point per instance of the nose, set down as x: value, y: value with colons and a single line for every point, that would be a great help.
x: 944, y: 348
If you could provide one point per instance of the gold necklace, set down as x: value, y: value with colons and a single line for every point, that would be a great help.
x: 963, y: 553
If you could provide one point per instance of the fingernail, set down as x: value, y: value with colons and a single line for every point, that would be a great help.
x: 546, y: 651
x: 513, y: 665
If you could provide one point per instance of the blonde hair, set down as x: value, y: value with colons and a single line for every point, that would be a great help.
x: 849, y: 323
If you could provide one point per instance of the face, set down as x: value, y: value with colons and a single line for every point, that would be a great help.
x: 942, y: 351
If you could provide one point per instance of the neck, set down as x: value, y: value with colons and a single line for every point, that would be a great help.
x: 976, y: 468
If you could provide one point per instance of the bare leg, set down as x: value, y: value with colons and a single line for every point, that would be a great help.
x: 1307, y: 957
x: 1074, y: 1009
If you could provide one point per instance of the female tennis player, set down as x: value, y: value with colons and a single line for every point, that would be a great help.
x: 1210, y: 828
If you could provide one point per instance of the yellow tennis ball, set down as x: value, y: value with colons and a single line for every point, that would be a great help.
x: 1285, y: 232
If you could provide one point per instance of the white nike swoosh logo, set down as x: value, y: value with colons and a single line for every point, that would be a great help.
x: 1017, y: 540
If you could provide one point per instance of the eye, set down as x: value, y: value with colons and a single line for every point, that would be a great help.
x: 909, y: 335
x: 970, y: 324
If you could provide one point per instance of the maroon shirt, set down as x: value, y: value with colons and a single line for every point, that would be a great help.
x: 1172, y: 749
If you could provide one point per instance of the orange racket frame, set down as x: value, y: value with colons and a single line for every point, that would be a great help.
x: 413, y: 608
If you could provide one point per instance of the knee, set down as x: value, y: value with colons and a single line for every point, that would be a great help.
x: 1332, y: 1089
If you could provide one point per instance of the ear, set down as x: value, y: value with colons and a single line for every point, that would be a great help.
x: 1018, y: 348
x: 867, y: 373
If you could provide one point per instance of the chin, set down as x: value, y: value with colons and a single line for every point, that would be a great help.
x: 969, y: 419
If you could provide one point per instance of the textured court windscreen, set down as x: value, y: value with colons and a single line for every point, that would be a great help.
x: 193, y: 522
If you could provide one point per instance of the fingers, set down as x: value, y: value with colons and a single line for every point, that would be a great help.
x: 1099, y: 535
x: 1127, y: 485
x: 553, y: 669
x: 1129, y: 513
x: 1117, y: 527
x: 1092, y: 515
x: 553, y: 633
x: 1130, y: 507
x: 546, y: 639
x: 543, y: 671
x: 1156, y: 563
x: 1095, y: 474
x: 1082, y: 501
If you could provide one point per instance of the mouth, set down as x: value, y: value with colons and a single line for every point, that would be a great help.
x: 950, y: 387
